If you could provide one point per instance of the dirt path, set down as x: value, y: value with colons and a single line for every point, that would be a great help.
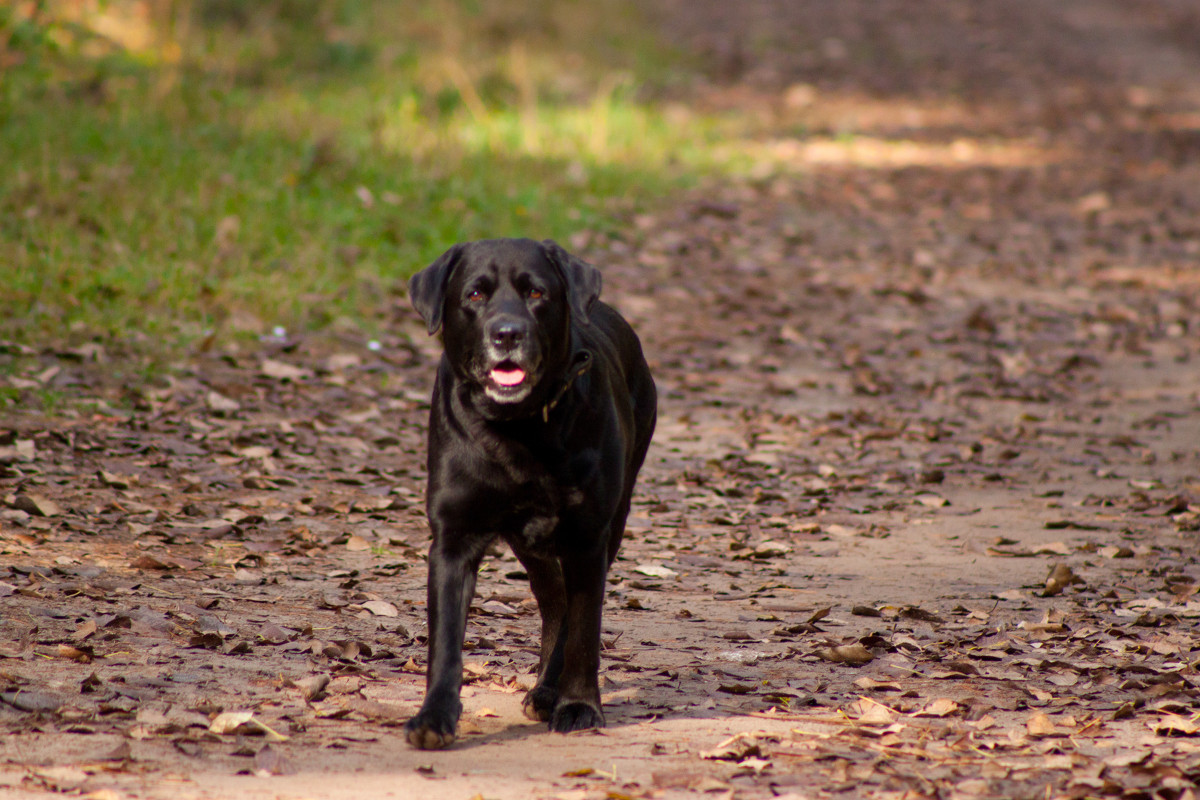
x: 938, y: 346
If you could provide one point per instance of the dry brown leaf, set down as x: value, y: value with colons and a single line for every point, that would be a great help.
x: 71, y: 653
x: 85, y: 630
x: 818, y: 615
x: 313, y: 687
x: 1061, y: 576
x: 737, y: 747
x: 655, y: 571
x: 752, y: 765
x: 1039, y: 725
x: 148, y: 562
x: 228, y: 721
x: 36, y: 505
x: 381, y: 608
x: 116, y: 480
x: 854, y: 654
x: 220, y: 404
x: 1174, y: 725
x: 871, y: 712
x: 941, y: 707
x: 1116, y: 551
x: 243, y: 722
x: 283, y: 371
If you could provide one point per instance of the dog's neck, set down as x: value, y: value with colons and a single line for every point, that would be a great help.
x: 581, y: 362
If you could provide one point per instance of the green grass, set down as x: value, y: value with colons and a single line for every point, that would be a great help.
x: 225, y: 169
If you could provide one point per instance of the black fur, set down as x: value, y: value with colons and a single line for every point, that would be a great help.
x: 547, y: 464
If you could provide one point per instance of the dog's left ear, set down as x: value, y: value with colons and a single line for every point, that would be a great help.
x: 583, y: 280
x: 427, y: 289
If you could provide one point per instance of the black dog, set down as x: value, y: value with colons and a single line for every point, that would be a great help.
x: 542, y: 411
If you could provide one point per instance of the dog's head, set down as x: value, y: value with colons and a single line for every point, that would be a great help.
x: 505, y: 308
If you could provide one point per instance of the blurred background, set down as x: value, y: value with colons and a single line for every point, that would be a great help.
x: 174, y: 167
x: 177, y: 171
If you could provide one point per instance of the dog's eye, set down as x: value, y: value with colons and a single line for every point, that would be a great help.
x: 475, y: 296
x: 535, y: 294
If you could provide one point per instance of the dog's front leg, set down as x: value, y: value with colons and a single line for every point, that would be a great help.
x: 452, y: 569
x: 578, y: 707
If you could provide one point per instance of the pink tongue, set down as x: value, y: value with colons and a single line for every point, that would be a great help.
x: 508, y: 377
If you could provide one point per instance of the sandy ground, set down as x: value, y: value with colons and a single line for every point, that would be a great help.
x: 920, y: 518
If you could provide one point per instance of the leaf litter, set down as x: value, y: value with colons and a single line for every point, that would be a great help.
x: 919, y: 521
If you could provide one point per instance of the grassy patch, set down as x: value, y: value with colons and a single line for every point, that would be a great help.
x: 226, y: 167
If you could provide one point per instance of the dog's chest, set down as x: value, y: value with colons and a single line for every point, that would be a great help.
x: 535, y: 510
x: 536, y: 496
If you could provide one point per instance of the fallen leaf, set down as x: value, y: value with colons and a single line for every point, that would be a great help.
x: 846, y: 654
x: 818, y: 615
x: 917, y: 613
x: 871, y: 712
x: 941, y: 707
x: 149, y: 562
x: 1060, y: 524
x: 116, y: 480
x: 1061, y: 576
x: 220, y: 404
x: 84, y: 630
x: 738, y: 747
x: 496, y: 608
x: 751, y: 765
x: 282, y: 371
x: 31, y: 701
x: 228, y: 721
x: 1039, y: 725
x: 771, y: 549
x: 655, y: 571
x: 737, y: 688
x: 313, y: 687
x: 1174, y: 725
x: 243, y: 722
x: 71, y: 653
x: 35, y: 504
x: 381, y: 608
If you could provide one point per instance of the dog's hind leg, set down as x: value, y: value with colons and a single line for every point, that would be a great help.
x: 578, y: 706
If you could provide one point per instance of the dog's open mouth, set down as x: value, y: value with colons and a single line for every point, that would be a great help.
x: 507, y: 374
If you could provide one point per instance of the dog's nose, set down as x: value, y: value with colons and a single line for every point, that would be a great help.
x: 507, y: 335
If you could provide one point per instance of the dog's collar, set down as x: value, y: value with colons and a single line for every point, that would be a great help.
x: 580, y: 363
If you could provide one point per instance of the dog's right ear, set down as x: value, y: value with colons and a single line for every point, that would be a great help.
x: 427, y: 289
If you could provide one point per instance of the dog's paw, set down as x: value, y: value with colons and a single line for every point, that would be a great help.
x: 576, y: 716
x: 430, y: 730
x: 539, y: 703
